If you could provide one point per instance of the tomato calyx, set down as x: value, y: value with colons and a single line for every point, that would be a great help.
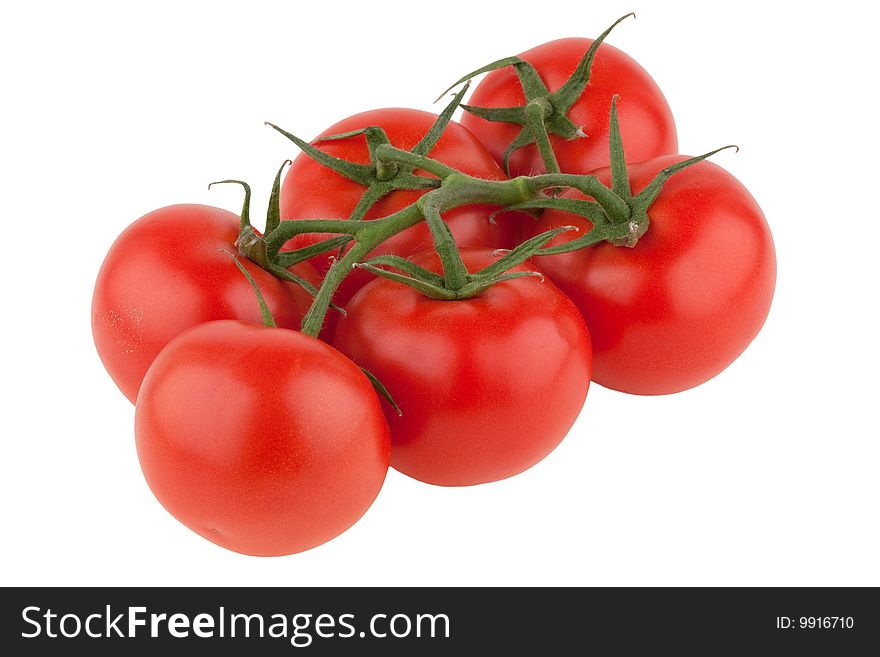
x: 462, y: 284
x: 617, y: 217
x: 262, y: 251
x: 380, y: 177
x: 544, y: 113
x: 269, y: 322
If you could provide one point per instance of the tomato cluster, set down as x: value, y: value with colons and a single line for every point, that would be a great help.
x: 420, y: 287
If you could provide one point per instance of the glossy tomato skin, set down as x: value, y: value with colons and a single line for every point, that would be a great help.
x: 264, y: 441
x: 311, y: 190
x: 487, y: 386
x: 171, y: 270
x: 679, y: 307
x: 646, y: 122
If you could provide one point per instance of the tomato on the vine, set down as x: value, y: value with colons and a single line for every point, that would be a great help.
x: 312, y: 191
x: 171, y: 270
x: 645, y: 118
x: 679, y: 307
x: 263, y: 440
x: 487, y: 386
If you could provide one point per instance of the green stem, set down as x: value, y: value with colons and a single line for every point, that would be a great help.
x: 369, y: 198
x: 535, y: 112
x: 385, y: 171
x: 454, y: 270
x: 368, y: 237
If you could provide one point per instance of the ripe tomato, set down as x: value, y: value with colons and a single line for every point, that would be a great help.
x: 646, y: 121
x: 171, y: 270
x: 680, y: 306
x: 312, y: 191
x: 264, y: 441
x: 488, y: 386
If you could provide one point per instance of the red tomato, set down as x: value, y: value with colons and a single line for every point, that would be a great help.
x: 312, y: 191
x: 264, y: 441
x: 646, y: 121
x: 678, y: 308
x: 488, y: 386
x: 171, y: 270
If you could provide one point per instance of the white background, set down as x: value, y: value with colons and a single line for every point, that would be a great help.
x: 767, y: 475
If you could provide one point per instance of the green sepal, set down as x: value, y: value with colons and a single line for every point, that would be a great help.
x: 511, y: 275
x: 478, y: 286
x: 265, y: 313
x: 273, y: 214
x: 597, y: 234
x: 552, y: 118
x: 524, y: 138
x: 428, y: 289
x: 382, y: 390
x: 359, y: 173
x: 501, y: 63
x: 245, y: 220
x: 566, y: 96
x: 373, y: 134
x: 530, y: 81
x: 646, y: 197
x: 619, y: 175
x: 288, y: 275
x: 589, y: 210
x: 296, y: 256
x: 437, y: 287
x: 380, y: 178
x: 408, y: 267
x: 433, y: 135
x: 498, y: 114
x: 520, y: 254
